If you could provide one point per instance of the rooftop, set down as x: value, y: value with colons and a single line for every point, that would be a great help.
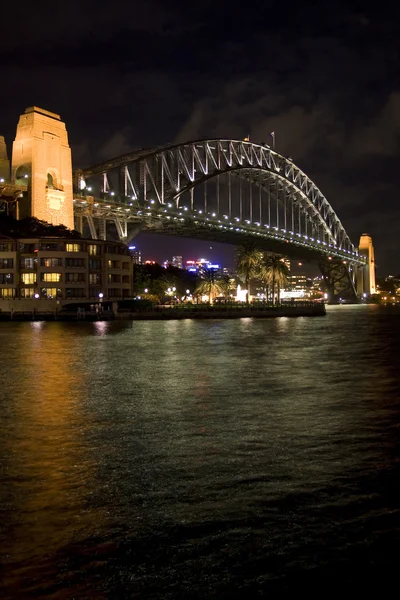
x: 42, y: 111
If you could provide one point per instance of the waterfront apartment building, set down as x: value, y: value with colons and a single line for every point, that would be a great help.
x: 63, y: 271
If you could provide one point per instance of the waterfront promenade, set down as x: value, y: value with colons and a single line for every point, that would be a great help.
x: 221, y: 311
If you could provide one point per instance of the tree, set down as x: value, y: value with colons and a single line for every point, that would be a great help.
x: 226, y: 285
x: 208, y: 285
x: 32, y: 227
x: 248, y: 261
x: 274, y: 272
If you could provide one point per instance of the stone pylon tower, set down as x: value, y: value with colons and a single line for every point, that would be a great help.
x: 4, y: 162
x: 41, y: 162
x: 366, y: 279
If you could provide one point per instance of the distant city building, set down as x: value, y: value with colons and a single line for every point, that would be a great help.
x: 136, y: 255
x: 46, y: 271
x: 298, y: 286
x: 190, y: 265
x: 177, y: 262
x: 194, y: 266
x: 297, y: 283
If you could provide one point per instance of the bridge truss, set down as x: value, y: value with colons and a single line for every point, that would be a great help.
x: 224, y: 190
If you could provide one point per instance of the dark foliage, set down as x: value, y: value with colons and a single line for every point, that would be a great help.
x: 32, y: 227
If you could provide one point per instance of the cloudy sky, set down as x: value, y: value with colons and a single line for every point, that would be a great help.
x: 323, y: 76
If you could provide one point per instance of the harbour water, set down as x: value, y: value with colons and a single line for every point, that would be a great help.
x: 200, y: 459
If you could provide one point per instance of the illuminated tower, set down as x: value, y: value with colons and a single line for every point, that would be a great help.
x: 41, y: 162
x: 4, y: 162
x: 366, y: 279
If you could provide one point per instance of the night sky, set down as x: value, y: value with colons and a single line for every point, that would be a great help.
x: 324, y: 76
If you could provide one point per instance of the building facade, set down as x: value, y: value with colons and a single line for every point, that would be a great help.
x: 55, y: 271
x: 177, y: 262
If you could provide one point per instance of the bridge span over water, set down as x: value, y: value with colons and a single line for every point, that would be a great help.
x: 225, y: 190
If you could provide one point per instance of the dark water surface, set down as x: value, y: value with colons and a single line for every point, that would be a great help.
x: 191, y: 459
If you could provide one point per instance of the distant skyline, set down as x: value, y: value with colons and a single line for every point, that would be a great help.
x: 323, y: 77
x: 161, y: 248
x: 153, y: 247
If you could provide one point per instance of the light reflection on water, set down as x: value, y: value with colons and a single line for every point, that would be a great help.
x: 184, y: 457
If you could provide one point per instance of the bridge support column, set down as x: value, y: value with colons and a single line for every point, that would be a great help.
x: 339, y: 281
x: 122, y: 228
x: 79, y: 223
x: 92, y: 227
x: 133, y: 233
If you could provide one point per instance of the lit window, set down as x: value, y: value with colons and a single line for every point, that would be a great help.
x: 50, y: 262
x: 51, y: 277
x: 27, y: 292
x: 28, y: 278
x: 73, y: 247
x: 50, y: 293
x: 27, y: 263
x: 7, y: 293
x: 94, y: 249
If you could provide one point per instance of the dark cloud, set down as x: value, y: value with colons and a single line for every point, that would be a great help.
x: 323, y: 76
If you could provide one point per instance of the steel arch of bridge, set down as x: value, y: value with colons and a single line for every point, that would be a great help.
x: 156, y: 180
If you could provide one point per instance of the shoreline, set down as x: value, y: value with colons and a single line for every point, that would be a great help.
x: 164, y: 314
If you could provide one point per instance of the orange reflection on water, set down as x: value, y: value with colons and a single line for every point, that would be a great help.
x: 52, y: 451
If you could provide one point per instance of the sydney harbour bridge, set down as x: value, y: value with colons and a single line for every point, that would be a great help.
x: 224, y: 190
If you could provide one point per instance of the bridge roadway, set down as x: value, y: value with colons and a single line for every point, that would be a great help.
x: 129, y: 220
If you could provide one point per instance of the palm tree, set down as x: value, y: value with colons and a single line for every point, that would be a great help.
x: 208, y: 286
x: 226, y: 286
x: 248, y: 261
x: 275, y: 272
